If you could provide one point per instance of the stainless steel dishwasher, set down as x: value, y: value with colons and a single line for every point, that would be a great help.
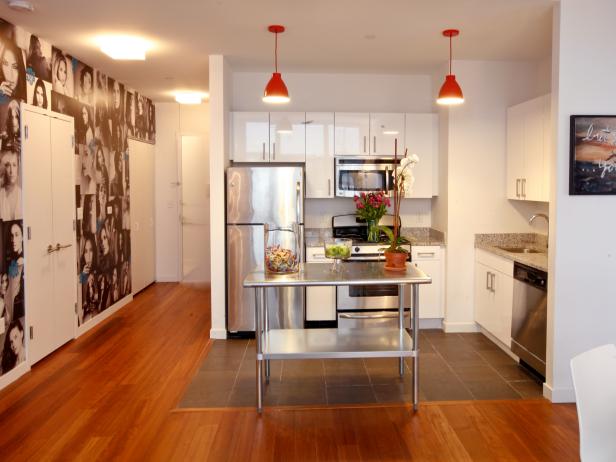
x: 529, y: 323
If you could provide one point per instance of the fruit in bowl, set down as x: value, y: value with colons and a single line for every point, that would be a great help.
x: 337, y: 249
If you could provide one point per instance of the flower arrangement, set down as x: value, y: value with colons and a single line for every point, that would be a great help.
x: 403, y: 183
x: 371, y: 207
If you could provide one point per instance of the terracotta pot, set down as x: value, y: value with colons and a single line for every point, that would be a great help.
x: 395, y: 259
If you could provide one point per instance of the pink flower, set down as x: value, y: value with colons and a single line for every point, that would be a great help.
x: 363, y: 195
x: 360, y: 206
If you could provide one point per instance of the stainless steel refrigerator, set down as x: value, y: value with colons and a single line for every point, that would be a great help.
x: 257, y: 195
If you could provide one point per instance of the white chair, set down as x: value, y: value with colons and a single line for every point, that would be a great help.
x: 594, y: 381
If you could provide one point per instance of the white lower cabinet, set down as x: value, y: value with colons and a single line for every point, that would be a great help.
x: 320, y: 301
x: 494, y: 295
x: 430, y: 260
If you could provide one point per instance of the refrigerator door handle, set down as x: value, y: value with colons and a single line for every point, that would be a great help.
x: 298, y: 192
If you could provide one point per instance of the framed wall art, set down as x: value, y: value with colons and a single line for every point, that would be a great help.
x: 592, y: 168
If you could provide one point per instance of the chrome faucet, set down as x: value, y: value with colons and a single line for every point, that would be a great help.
x: 547, y: 219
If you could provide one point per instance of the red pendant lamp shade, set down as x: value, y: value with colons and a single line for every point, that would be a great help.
x: 450, y: 92
x: 276, y: 91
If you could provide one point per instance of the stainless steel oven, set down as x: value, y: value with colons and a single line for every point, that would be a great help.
x: 370, y: 305
x: 355, y: 175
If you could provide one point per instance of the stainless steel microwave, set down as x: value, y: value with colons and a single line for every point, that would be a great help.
x: 355, y: 175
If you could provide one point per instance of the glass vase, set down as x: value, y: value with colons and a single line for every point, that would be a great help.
x: 282, y: 248
x: 374, y: 233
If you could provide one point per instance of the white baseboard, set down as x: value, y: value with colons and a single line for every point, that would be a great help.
x: 501, y: 345
x: 449, y: 326
x: 14, y: 374
x: 102, y: 316
x: 167, y: 279
x: 431, y: 323
x: 218, y: 333
x: 559, y: 395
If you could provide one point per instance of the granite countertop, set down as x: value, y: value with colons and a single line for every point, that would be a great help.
x: 417, y: 236
x: 492, y: 242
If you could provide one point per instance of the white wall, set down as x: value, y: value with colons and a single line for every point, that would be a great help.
x: 172, y: 120
x: 582, y: 293
x: 337, y: 92
x: 220, y: 105
x: 475, y: 172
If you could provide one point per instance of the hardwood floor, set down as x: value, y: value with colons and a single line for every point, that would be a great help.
x: 112, y: 395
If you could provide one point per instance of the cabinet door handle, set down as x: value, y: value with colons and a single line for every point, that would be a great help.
x: 374, y: 145
x: 364, y: 143
x: 524, y: 188
x: 263, y: 150
x: 329, y: 187
x: 492, y: 280
x: 426, y: 254
x: 487, y: 280
x: 274, y: 151
x: 517, y: 188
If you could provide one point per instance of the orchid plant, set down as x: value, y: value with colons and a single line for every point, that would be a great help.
x: 403, y: 184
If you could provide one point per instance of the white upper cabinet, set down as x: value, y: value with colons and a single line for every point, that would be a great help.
x: 352, y: 134
x: 287, y: 136
x: 250, y: 136
x: 384, y: 130
x: 528, y: 145
x: 421, y: 138
x: 319, y: 155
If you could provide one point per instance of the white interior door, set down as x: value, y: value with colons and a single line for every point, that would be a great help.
x: 64, y: 238
x: 49, y: 210
x: 143, y: 249
x: 38, y: 236
x: 195, y: 206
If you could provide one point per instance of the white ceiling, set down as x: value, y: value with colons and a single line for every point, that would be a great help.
x: 322, y: 35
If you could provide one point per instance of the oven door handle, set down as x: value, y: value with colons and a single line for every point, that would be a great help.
x: 371, y: 316
x: 379, y: 257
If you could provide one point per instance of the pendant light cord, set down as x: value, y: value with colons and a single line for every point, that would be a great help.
x: 450, y: 55
x: 276, y: 51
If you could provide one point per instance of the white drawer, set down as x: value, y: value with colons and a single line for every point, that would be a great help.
x: 495, y: 262
x: 426, y: 252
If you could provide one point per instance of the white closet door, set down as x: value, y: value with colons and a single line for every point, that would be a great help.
x: 64, y: 238
x: 38, y: 235
x: 142, y: 214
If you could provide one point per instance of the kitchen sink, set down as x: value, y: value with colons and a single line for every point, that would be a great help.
x: 520, y: 250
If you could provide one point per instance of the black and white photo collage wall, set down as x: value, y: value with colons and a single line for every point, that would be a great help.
x: 106, y: 114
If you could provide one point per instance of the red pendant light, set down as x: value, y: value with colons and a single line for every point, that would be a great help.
x: 450, y: 93
x: 276, y: 91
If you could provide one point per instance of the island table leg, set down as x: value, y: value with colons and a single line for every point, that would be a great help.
x: 401, y: 323
x: 415, y: 315
x: 258, y: 338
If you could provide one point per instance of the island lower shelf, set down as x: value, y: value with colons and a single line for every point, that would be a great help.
x: 336, y: 343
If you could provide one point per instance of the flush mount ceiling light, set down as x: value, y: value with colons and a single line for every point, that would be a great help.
x: 276, y: 91
x: 190, y: 97
x: 450, y: 93
x: 124, y: 47
x: 21, y: 5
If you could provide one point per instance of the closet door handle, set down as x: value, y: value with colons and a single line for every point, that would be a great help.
x: 60, y: 247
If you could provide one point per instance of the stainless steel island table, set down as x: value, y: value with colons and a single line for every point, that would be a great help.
x: 337, y: 343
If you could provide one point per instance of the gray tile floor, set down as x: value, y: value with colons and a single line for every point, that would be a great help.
x: 452, y: 367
